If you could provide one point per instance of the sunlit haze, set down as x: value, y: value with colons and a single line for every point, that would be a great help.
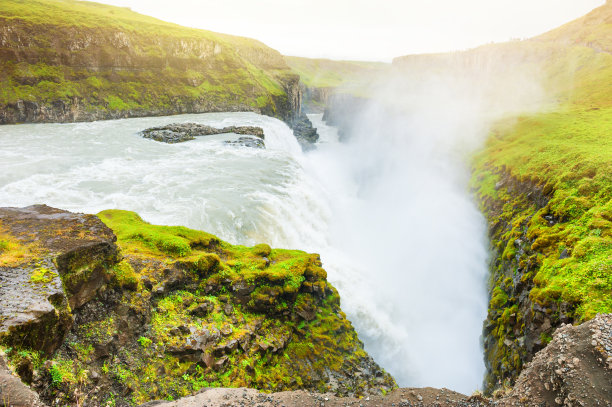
x: 366, y: 29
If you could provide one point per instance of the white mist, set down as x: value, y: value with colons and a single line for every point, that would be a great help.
x: 389, y: 210
x: 409, y: 253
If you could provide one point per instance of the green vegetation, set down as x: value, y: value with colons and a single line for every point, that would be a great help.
x: 544, y: 181
x: 350, y: 76
x: 124, y: 275
x: 41, y: 275
x: 122, y: 63
x: 566, y: 153
x: 140, y: 237
x: 327, y: 73
x: 13, y: 252
x: 184, y: 305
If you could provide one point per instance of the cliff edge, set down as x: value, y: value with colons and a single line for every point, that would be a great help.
x: 110, y: 309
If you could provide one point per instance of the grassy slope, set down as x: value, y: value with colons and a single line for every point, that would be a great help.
x: 562, y: 247
x: 326, y: 73
x: 569, y: 152
x: 170, y: 65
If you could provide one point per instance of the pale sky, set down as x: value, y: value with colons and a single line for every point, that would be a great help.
x: 367, y: 29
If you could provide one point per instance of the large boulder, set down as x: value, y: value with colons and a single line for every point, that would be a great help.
x: 51, y: 262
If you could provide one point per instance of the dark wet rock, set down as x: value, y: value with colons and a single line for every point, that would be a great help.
x: 181, y: 132
x: 303, y: 130
x: 202, y: 310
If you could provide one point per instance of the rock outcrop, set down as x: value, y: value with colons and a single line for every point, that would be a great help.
x: 575, y: 369
x: 317, y: 98
x: 51, y: 263
x: 166, y: 311
x: 14, y: 393
x: 304, y: 132
x: 181, y: 132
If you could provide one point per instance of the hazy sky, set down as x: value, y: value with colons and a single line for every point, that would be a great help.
x: 367, y: 29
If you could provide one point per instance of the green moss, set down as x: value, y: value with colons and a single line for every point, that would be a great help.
x: 498, y: 299
x: 13, y: 252
x: 545, y: 338
x: 144, y: 342
x: 41, y: 275
x: 137, y: 236
x: 124, y: 275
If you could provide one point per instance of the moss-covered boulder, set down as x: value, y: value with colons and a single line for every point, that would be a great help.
x: 181, y: 310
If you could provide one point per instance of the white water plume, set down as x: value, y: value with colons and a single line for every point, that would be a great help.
x: 409, y: 243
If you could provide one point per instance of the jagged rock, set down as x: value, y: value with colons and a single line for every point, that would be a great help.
x: 181, y: 132
x: 202, y: 310
x: 303, y: 130
x: 572, y: 370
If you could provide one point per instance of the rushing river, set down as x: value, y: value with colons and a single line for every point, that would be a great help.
x: 399, y: 236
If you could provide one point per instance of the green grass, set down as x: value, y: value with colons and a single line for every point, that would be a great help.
x: 141, y: 237
x: 568, y: 153
x: 87, y: 14
x: 326, y: 73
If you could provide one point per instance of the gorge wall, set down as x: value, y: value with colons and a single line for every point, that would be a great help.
x: 66, y: 61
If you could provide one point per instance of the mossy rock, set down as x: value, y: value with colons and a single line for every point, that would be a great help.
x: 169, y: 322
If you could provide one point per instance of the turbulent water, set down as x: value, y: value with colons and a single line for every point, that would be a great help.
x: 400, y: 237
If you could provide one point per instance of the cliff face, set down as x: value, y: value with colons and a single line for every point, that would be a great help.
x: 111, y: 308
x: 322, y: 78
x: 71, y: 61
x: 548, y: 207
